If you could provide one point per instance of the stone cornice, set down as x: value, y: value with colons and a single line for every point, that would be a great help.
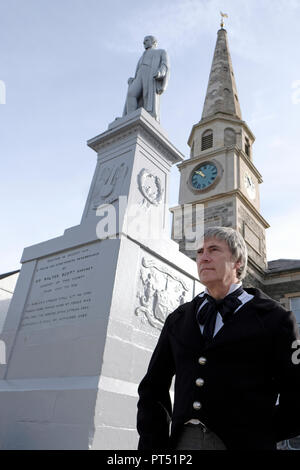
x: 270, y: 276
x: 237, y: 193
x: 220, y: 117
x: 138, y: 123
x: 258, y: 268
x: 249, y: 163
x: 219, y: 151
x: 252, y: 209
x: 204, y: 156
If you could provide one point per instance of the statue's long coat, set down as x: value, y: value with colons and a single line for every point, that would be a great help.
x: 157, y: 60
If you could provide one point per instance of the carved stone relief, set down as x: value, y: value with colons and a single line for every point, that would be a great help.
x: 160, y: 292
x: 154, y: 143
x: 151, y: 188
x: 109, y: 184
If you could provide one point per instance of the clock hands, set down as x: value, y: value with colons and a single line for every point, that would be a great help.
x: 208, y: 173
x: 250, y: 182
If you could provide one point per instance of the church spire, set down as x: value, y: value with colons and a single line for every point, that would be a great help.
x: 221, y: 94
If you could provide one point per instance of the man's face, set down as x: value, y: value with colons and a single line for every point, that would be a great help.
x: 215, y: 264
x: 148, y: 42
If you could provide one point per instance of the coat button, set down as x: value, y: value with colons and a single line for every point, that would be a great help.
x: 197, y: 405
x: 202, y: 360
x: 199, y: 382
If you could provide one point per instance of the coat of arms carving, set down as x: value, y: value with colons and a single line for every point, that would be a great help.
x: 160, y: 292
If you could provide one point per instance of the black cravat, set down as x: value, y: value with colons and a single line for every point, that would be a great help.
x: 208, y: 313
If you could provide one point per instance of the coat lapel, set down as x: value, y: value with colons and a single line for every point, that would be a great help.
x: 243, y: 326
x: 188, y: 332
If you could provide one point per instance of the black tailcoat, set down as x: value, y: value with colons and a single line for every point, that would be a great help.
x: 248, y: 363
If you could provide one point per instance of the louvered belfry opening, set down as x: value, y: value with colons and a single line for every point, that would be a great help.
x: 247, y: 147
x: 207, y: 140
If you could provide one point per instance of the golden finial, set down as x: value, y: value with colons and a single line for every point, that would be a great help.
x: 223, y: 15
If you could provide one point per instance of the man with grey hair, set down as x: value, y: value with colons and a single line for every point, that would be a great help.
x: 150, y: 80
x: 230, y: 350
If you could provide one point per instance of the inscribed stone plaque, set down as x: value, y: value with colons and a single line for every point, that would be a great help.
x: 62, y: 289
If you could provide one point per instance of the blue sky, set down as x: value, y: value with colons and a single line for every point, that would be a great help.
x: 65, y: 64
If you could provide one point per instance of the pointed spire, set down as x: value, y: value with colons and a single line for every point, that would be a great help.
x: 221, y: 95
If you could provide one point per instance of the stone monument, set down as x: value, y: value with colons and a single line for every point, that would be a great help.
x: 89, y: 305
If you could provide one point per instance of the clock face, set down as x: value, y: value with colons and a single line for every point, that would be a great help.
x: 250, y: 186
x: 204, y: 176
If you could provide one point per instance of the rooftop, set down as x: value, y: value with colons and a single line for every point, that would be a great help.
x: 283, y: 265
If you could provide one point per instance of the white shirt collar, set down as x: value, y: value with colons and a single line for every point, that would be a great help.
x: 232, y: 288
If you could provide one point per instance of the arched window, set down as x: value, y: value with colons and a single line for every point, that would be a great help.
x: 229, y: 137
x: 207, y: 139
x: 247, y: 147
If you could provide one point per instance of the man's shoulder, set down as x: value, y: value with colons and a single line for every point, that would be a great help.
x: 263, y: 300
x: 265, y: 306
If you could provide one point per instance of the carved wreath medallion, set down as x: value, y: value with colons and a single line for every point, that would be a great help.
x: 150, y: 187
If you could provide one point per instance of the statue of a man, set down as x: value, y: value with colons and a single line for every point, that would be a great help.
x: 151, y: 79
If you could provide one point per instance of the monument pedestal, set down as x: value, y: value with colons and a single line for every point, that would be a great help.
x: 87, y: 311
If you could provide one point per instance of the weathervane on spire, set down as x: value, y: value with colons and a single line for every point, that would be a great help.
x: 223, y: 15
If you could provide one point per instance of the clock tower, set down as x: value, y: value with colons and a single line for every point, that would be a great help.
x: 220, y: 173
